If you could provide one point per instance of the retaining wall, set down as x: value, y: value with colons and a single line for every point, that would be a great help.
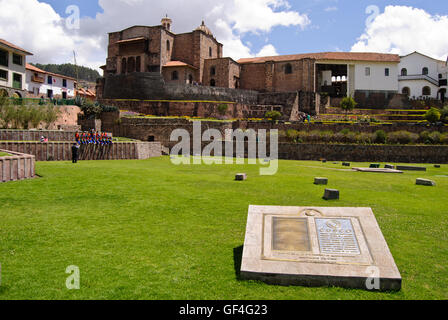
x: 31, y: 135
x: 61, y: 151
x: 364, y: 153
x: 18, y: 166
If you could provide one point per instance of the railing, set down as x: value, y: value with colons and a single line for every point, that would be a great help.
x: 419, y: 77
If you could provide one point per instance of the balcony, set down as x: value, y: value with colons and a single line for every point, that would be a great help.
x: 419, y: 77
x: 37, y: 79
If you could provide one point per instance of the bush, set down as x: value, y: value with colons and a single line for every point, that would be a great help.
x: 444, y: 138
x: 435, y: 137
x: 402, y: 137
x: 380, y: 137
x: 222, y: 108
x: 424, y: 137
x: 432, y: 115
x: 348, y: 104
x: 274, y: 115
x: 444, y: 114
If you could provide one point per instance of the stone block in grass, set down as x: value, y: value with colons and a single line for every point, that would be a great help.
x: 331, y: 194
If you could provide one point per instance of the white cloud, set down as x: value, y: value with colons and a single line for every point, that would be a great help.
x: 36, y: 27
x: 267, y: 51
x: 402, y: 30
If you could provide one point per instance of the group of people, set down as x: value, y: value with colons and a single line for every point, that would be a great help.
x: 93, y: 137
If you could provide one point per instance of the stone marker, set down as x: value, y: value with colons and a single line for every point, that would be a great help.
x: 317, y: 247
x: 241, y: 177
x: 375, y: 165
x: 437, y: 166
x: 425, y: 182
x: 324, y: 161
x: 389, y: 166
x: 411, y: 168
x: 377, y: 170
x: 321, y: 181
x: 346, y: 164
x: 331, y: 194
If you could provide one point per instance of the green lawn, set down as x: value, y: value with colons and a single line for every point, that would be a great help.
x: 4, y: 154
x: 152, y: 230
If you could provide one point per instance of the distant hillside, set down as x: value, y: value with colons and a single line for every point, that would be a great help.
x: 69, y: 70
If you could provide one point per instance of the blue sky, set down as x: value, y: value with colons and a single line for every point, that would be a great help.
x: 335, y: 24
x: 245, y: 27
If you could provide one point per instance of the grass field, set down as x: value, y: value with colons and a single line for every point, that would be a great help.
x: 4, y: 154
x: 152, y: 230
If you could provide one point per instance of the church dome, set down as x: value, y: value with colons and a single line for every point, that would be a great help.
x: 205, y: 29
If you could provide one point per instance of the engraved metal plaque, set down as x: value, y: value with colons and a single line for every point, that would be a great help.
x: 337, y: 236
x: 290, y: 234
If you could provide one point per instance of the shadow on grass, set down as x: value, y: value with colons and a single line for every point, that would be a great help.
x: 237, y: 258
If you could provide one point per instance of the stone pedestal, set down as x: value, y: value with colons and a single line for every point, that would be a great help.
x: 241, y: 177
x: 321, y: 181
x: 307, y: 246
x: 331, y: 194
x: 425, y: 182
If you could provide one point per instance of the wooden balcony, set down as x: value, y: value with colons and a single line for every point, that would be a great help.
x: 37, y: 79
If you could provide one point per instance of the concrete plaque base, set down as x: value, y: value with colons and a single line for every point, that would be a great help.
x: 317, y: 247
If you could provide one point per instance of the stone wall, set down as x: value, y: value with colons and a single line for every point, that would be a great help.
x: 30, y: 135
x: 364, y: 153
x: 18, y: 166
x: 61, y: 151
x: 151, y: 86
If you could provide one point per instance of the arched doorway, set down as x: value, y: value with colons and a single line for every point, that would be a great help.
x: 406, y: 91
x: 131, y: 65
x: 17, y: 95
x: 212, y: 83
x: 442, y: 95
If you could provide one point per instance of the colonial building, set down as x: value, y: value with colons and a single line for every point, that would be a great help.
x: 180, y: 58
x: 423, y: 77
x: 12, y: 69
x: 40, y: 83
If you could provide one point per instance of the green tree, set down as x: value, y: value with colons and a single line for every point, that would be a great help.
x: 348, y: 104
x: 274, y: 115
x: 432, y: 115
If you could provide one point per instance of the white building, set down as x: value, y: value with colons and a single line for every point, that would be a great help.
x: 422, y: 77
x: 40, y: 83
x: 12, y: 69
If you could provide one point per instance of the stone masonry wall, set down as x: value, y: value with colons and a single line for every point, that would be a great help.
x: 18, y: 166
x: 61, y: 151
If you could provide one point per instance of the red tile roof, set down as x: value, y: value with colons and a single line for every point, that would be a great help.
x: 13, y: 46
x: 345, y: 56
x: 178, y: 64
x: 35, y: 69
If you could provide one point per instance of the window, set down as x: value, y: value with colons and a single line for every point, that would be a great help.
x: 131, y: 64
x: 3, y: 75
x: 4, y: 58
x: 406, y: 91
x: 288, y: 69
x: 64, y: 83
x: 50, y: 94
x: 367, y: 71
x: 213, y: 71
x: 175, y: 75
x: 49, y: 80
x: 64, y: 95
x: 123, y: 66
x: 426, y: 91
x: 210, y: 52
x: 190, y: 79
x: 138, y: 64
x: 168, y: 45
x: 17, y: 81
x: 387, y: 72
x: 17, y: 59
x: 212, y: 83
x: 425, y: 71
x: 404, y: 72
x: 440, y: 76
